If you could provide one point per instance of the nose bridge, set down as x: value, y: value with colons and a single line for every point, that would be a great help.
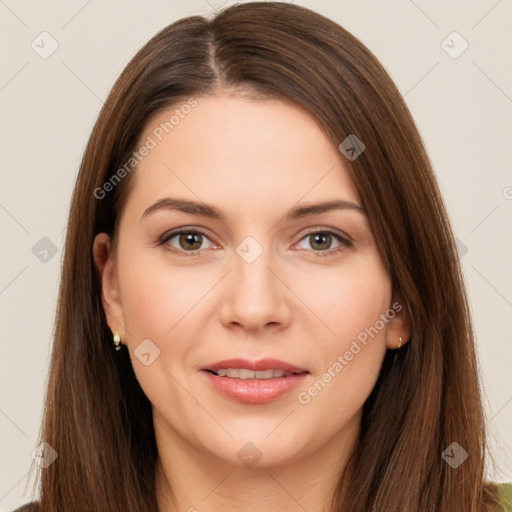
x: 254, y: 274
x: 256, y: 296
x: 251, y: 270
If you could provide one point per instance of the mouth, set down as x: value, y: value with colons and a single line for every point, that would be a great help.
x: 254, y: 382
x: 261, y: 368
x: 246, y: 374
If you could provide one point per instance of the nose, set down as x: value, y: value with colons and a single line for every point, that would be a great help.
x: 256, y: 296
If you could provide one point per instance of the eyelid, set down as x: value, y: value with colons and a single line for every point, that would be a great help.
x: 327, y: 229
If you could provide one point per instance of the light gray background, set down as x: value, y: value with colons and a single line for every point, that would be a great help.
x: 463, y: 107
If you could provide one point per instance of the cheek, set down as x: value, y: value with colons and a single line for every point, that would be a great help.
x: 358, y: 295
x: 159, y: 302
x: 348, y: 299
x: 155, y: 296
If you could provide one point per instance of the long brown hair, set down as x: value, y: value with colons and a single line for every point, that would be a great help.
x: 428, y: 393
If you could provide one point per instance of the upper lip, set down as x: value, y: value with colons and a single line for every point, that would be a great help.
x: 259, y: 365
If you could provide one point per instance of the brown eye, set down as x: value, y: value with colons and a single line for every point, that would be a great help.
x: 185, y: 242
x: 321, y: 241
x: 190, y: 241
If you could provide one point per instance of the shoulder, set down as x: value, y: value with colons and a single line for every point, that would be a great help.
x: 28, y: 507
x: 505, y: 491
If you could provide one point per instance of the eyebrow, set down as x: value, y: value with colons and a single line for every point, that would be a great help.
x: 206, y: 210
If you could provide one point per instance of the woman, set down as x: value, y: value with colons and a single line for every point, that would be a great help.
x: 261, y: 303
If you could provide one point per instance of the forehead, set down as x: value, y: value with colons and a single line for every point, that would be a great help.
x: 240, y: 151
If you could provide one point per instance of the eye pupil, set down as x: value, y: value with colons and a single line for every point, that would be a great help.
x: 323, y: 239
x: 190, y: 238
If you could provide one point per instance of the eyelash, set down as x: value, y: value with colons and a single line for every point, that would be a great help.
x: 168, y: 236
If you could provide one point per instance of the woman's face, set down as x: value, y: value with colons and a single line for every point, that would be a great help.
x: 255, y: 275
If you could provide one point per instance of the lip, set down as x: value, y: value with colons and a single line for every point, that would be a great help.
x: 259, y: 365
x: 255, y: 391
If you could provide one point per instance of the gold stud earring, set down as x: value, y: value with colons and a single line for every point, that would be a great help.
x: 117, y: 341
x: 399, y: 342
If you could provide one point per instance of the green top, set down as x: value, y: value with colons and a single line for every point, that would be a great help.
x: 506, y: 497
x: 504, y: 489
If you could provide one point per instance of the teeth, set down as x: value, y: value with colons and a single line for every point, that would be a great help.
x: 242, y: 373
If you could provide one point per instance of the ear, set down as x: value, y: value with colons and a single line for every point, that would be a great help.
x: 398, y: 331
x: 105, y: 262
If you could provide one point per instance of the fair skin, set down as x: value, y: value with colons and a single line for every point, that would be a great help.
x: 304, y: 300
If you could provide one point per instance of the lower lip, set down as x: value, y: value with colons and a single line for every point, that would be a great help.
x: 255, y: 391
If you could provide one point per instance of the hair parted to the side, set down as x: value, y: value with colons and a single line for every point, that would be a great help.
x: 428, y: 393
